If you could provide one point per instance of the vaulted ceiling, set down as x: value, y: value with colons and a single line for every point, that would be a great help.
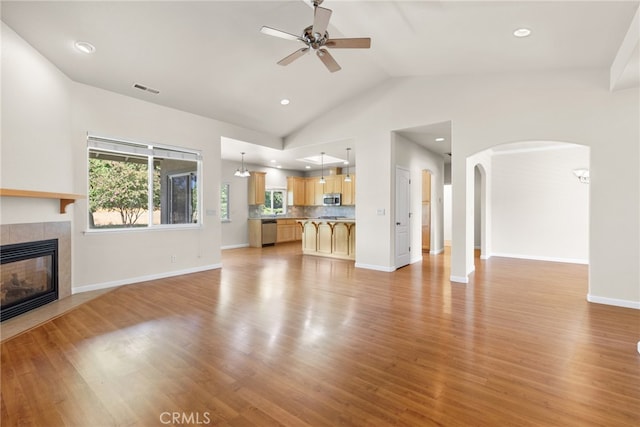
x: 210, y: 58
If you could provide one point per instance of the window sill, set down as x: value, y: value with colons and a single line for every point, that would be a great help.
x: 168, y: 227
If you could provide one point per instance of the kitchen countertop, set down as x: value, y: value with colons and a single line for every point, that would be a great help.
x: 329, y: 219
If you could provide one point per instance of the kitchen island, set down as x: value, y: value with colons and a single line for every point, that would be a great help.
x: 332, y: 237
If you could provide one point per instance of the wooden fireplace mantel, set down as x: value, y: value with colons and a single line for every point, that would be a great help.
x: 65, y: 198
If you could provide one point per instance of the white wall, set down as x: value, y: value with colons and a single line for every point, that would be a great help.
x: 540, y: 209
x: 487, y: 110
x: 235, y: 232
x: 45, y: 121
x: 446, y: 203
x: 35, y: 138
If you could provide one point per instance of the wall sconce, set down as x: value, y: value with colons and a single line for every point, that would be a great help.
x: 244, y: 172
x: 582, y: 174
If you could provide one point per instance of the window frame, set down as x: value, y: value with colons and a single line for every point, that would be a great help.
x: 227, y: 217
x: 151, y: 151
x: 284, y: 200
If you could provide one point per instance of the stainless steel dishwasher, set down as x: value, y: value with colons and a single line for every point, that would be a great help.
x: 269, y: 231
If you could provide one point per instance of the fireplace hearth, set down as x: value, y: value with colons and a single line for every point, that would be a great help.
x: 28, y: 276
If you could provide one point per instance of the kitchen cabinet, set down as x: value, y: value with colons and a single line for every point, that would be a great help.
x: 329, y: 238
x: 295, y: 191
x: 310, y: 191
x: 334, y: 183
x: 325, y: 238
x: 349, y: 190
x: 426, y: 187
x: 309, y: 237
x: 288, y: 231
x: 255, y: 233
x: 256, y: 189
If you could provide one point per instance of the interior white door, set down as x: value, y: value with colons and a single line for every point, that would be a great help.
x: 403, y: 217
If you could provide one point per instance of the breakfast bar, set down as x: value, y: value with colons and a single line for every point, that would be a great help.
x: 332, y: 237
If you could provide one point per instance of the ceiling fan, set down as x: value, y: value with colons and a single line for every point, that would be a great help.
x: 316, y: 38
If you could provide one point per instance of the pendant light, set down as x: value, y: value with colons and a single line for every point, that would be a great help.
x: 242, y: 173
x: 348, y: 177
x: 322, y: 180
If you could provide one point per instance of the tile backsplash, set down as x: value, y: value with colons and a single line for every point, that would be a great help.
x: 255, y: 211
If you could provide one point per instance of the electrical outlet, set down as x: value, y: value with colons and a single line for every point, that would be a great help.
x: 174, y: 258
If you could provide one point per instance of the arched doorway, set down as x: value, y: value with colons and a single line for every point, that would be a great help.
x: 529, y: 202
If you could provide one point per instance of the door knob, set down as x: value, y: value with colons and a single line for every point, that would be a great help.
x: 397, y: 223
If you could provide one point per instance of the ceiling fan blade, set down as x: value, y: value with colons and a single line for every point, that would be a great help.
x: 278, y: 33
x: 295, y: 55
x: 328, y: 60
x: 360, y: 43
x: 321, y: 18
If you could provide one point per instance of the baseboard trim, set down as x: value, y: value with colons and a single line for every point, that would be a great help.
x: 459, y: 279
x: 417, y: 259
x: 543, y: 258
x: 485, y: 256
x: 241, y: 245
x: 613, y: 301
x: 139, y: 279
x: 375, y: 267
x: 436, y: 251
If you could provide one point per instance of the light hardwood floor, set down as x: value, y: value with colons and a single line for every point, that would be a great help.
x: 276, y: 338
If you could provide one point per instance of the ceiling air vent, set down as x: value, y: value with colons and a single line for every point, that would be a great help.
x: 147, y: 89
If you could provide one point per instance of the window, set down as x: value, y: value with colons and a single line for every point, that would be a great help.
x: 224, y: 202
x: 274, y: 202
x: 134, y: 185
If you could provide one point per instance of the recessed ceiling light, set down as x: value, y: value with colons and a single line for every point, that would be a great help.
x: 279, y: 166
x: 273, y: 161
x: 522, y: 32
x: 284, y: 101
x: 439, y: 139
x: 307, y: 167
x: 85, y: 47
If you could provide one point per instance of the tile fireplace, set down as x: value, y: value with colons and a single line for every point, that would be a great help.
x: 26, y: 234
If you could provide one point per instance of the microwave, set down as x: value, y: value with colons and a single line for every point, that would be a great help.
x: 331, y: 199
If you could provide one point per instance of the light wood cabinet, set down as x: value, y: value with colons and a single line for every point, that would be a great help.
x: 309, y: 192
x: 349, y: 190
x: 288, y: 230
x: 333, y: 184
x: 255, y: 233
x: 309, y: 237
x: 295, y: 191
x: 335, y: 239
x: 256, y: 189
x: 325, y: 238
x: 426, y: 187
